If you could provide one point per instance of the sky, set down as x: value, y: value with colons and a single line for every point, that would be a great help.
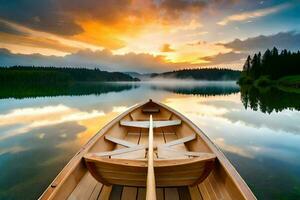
x: 144, y: 35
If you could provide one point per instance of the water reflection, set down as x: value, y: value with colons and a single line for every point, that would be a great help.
x: 264, y: 154
x: 39, y: 135
x: 28, y: 119
x: 25, y: 91
x: 203, y: 88
x: 269, y: 100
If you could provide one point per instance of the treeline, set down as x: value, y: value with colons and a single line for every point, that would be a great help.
x: 273, y: 64
x: 210, y: 74
x: 55, y: 75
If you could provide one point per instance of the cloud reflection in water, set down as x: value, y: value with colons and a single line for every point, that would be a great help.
x: 42, y: 134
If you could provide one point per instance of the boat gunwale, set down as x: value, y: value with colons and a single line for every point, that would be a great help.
x: 62, y: 176
x: 228, y: 167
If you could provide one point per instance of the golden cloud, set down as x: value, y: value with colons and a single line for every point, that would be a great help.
x: 166, y: 48
x: 40, y: 42
x: 127, y: 28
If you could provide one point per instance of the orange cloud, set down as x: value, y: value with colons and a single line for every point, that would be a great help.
x: 166, y: 48
x: 127, y: 29
x: 101, y: 35
x: 21, y: 39
x: 40, y: 42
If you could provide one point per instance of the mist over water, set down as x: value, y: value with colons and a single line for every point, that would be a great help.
x: 187, y: 82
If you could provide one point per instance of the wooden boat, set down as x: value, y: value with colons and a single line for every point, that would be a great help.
x: 149, y: 152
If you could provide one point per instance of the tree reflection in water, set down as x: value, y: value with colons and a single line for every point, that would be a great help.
x: 76, y: 89
x: 269, y: 99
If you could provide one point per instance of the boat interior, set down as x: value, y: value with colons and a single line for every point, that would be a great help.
x: 114, y: 164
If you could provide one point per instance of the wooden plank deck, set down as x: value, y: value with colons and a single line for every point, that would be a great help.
x: 89, y: 188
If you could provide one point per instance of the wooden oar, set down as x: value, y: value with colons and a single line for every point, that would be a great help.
x: 151, y: 188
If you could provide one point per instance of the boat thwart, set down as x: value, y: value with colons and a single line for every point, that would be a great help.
x: 149, y: 152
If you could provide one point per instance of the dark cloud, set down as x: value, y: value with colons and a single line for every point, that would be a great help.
x: 8, y: 59
x: 44, y: 15
x: 283, y: 40
x: 4, y: 52
x: 225, y: 58
x: 178, y: 6
x: 7, y: 28
x: 61, y: 16
x: 90, y: 59
x: 242, y: 48
x: 105, y: 11
x: 175, y: 7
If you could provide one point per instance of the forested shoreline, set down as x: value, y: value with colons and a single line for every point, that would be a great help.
x: 54, y: 75
x: 272, y: 68
x: 210, y: 74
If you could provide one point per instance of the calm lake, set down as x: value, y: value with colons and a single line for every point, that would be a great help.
x: 41, y: 129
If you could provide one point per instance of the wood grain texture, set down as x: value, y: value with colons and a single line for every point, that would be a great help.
x: 132, y: 137
x: 223, y: 182
x: 96, y: 192
x: 160, y: 193
x: 84, y: 188
x: 171, y: 194
x: 151, y: 188
x: 129, y: 193
x: 235, y: 185
x: 105, y: 193
x: 134, y: 172
x: 120, y: 141
x: 195, y: 193
x: 145, y: 124
x: 66, y: 181
x: 141, y: 193
x: 184, y: 193
x: 116, y: 192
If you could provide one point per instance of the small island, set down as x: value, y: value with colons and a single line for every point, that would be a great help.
x: 273, y: 69
x: 208, y: 74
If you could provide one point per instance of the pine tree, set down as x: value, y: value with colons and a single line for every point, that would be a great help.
x: 274, y: 52
x: 266, y: 61
x: 273, y: 64
x: 247, y: 65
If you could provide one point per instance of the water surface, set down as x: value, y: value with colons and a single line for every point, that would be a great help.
x: 259, y: 132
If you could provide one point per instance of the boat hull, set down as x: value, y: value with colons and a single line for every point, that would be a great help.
x: 77, y: 181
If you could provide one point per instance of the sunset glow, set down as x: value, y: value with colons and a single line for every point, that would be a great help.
x: 165, y: 34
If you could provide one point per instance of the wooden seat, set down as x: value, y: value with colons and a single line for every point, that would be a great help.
x: 168, y: 173
x: 130, y: 147
x: 120, y: 151
x: 145, y: 124
x: 150, y: 110
x: 180, y: 141
x: 122, y: 142
x: 166, y: 152
x: 175, y: 161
